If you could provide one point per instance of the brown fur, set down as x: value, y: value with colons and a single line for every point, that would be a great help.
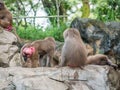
x: 74, y: 53
x: 6, y: 19
x: 42, y: 48
x: 5, y: 16
x: 99, y: 59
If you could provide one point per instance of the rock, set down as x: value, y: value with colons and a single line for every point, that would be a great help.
x: 110, y: 44
x: 90, y: 29
x: 114, y: 29
x: 92, y: 77
x: 114, y: 79
x: 39, y: 83
x: 113, y: 25
x: 8, y: 49
x: 5, y: 82
x: 103, y: 38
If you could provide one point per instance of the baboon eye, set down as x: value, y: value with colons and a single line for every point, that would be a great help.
x: 2, y: 17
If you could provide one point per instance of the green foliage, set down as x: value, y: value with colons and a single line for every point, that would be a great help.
x: 32, y: 33
x: 9, y: 1
x: 104, y: 10
x: 107, y: 10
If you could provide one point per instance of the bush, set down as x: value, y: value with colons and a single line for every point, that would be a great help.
x: 32, y: 33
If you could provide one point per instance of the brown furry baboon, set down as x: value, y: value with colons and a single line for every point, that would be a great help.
x: 74, y: 53
x: 33, y: 52
x: 100, y: 59
x: 5, y: 17
x: 6, y: 20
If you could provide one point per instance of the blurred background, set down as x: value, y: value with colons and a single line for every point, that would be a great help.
x: 35, y: 19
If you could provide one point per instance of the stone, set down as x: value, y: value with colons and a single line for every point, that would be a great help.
x: 92, y: 77
x: 8, y: 49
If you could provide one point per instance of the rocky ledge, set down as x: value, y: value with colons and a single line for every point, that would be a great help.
x: 92, y: 77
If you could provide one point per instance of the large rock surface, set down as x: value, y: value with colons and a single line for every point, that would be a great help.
x: 93, y: 77
x: 8, y: 49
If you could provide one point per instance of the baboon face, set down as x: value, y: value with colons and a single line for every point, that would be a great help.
x: 5, y: 17
x: 4, y: 22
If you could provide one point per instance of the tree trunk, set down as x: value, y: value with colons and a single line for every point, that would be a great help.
x: 85, y: 9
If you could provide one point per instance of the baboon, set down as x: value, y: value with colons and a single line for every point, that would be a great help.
x: 35, y: 51
x: 100, y: 59
x: 74, y: 53
x: 6, y: 20
x: 5, y: 17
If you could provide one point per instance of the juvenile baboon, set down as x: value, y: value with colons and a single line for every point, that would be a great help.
x: 35, y: 51
x: 74, y: 52
x: 6, y: 20
x: 100, y: 59
x: 5, y: 17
